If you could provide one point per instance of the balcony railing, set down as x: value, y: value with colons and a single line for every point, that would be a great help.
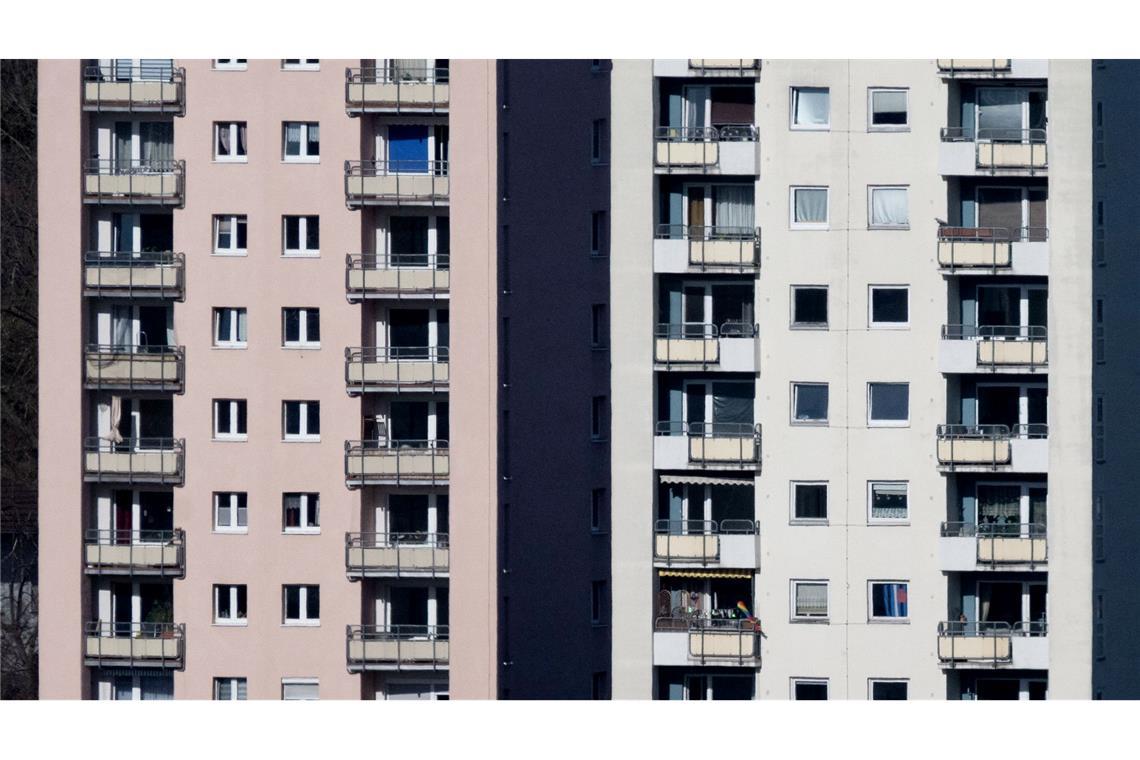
x: 717, y: 246
x: 133, y: 181
x: 983, y: 247
x: 402, y: 181
x: 424, y: 462
x: 691, y: 541
x: 1021, y: 346
x: 694, y: 344
x: 375, y: 647
x: 135, y: 552
x: 717, y: 443
x: 717, y: 639
x: 1004, y: 543
x: 385, y: 88
x: 975, y: 66
x: 153, y: 368
x: 738, y: 66
x: 984, y: 642
x: 134, y: 460
x: 159, y: 89
x: 398, y: 368
x: 134, y: 644
x: 145, y: 274
x: 397, y: 275
x: 978, y: 445
x: 1000, y: 148
x: 411, y: 554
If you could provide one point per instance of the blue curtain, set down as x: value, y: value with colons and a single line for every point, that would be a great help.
x: 408, y: 149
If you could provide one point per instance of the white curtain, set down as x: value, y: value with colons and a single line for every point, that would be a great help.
x: 157, y: 144
x: 121, y: 323
x: 411, y: 69
x: 695, y: 98
x: 811, y: 205
x: 733, y: 206
x: 811, y: 106
x: 116, y: 416
x: 889, y: 207
x: 811, y: 599
x: 293, y: 138
x: 223, y: 139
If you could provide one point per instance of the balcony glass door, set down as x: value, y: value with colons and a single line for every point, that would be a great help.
x: 407, y: 517
x: 1005, y: 113
x: 409, y: 333
x: 409, y: 423
x: 696, y: 109
x: 732, y: 309
x: 999, y: 405
x: 156, y: 145
x: 409, y: 241
x: 732, y: 405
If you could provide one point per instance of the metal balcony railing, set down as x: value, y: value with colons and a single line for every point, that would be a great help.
x: 397, y: 275
x: 1021, y: 346
x: 160, y: 368
x: 695, y: 540
x: 717, y: 246
x: 398, y: 646
x: 134, y: 181
x: 406, y: 553
x: 717, y: 638
x: 391, y: 88
x: 149, y: 552
x: 983, y: 247
x: 151, y: 88
x: 134, y: 644
x: 425, y: 462
x: 985, y: 641
x: 400, y: 181
x: 1003, y: 148
x: 1004, y: 543
x: 975, y: 66
x: 134, y: 460
x: 693, y: 343
x: 987, y: 445
x: 396, y: 367
x: 152, y: 274
x: 723, y: 443
x: 738, y: 66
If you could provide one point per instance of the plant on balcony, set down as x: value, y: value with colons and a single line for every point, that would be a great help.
x: 162, y: 613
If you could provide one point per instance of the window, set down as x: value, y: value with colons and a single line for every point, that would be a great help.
x: 598, y: 688
x: 229, y: 327
x: 301, y: 236
x: 599, y: 142
x: 809, y: 600
x: 229, y: 604
x: 887, y: 208
x: 599, y: 332
x: 226, y: 689
x: 887, y: 110
x: 887, y: 600
x: 301, y: 605
x: 301, y: 64
x: 809, y: 502
x: 883, y: 689
x: 229, y: 419
x: 301, y: 512
x: 229, y: 141
x: 808, y: 689
x: 598, y: 233
x: 300, y: 688
x: 888, y: 501
x: 1098, y: 331
x: 811, y: 108
x: 230, y: 514
x: 888, y: 404
x: 809, y: 403
x: 889, y: 306
x: 598, y: 510
x: 809, y: 306
x: 301, y: 328
x: 302, y: 420
x: 598, y: 421
x: 301, y: 141
x: 229, y: 234
x: 809, y: 208
x: 598, y: 602
x: 230, y: 64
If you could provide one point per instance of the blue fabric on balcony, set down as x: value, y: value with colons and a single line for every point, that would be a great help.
x: 408, y: 149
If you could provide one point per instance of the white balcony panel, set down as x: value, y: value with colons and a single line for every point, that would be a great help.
x: 1030, y: 454
x: 739, y: 354
x: 1031, y: 652
x: 958, y: 553
x: 671, y: 452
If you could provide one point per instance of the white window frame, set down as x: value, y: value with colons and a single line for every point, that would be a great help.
x: 793, y: 224
x: 872, y: 681
x: 231, y: 64
x: 303, y: 421
x: 233, y: 682
x: 887, y: 423
x: 871, y: 519
x: 871, y: 225
x: 871, y: 323
x: 300, y: 682
x: 235, y: 220
x: 792, y: 91
x: 310, y: 508
x: 303, y: 157
x: 234, y: 340
x: 871, y: 601
x: 303, y: 64
x: 235, y: 499
x: 792, y: 682
x: 302, y: 327
x: 302, y: 605
x: 797, y: 618
x: 231, y: 591
x: 234, y: 128
x: 232, y: 434
x: 871, y: 125
x: 793, y: 324
x: 302, y: 221
x: 817, y: 423
x: 793, y: 519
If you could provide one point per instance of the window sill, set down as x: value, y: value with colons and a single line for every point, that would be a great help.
x: 301, y: 255
x: 809, y: 127
x: 887, y: 227
x: 301, y: 532
x: 231, y: 68
x: 302, y: 439
x: 301, y: 160
x: 872, y: 424
x: 811, y: 621
x: 871, y: 522
x: 231, y: 531
x: 235, y: 254
x: 301, y: 67
x: 231, y: 347
x: 817, y: 326
x: 230, y: 438
x: 809, y: 227
x: 238, y: 160
x: 231, y: 623
x: 809, y: 521
x: 889, y: 326
x: 301, y: 624
x: 888, y: 621
x: 301, y: 347
x: 809, y: 423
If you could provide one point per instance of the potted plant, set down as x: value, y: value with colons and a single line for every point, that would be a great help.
x: 161, y: 614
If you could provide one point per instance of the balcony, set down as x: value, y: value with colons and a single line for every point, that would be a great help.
x: 140, y: 89
x: 135, y: 368
x: 415, y: 182
x: 729, y: 149
x: 707, y: 67
x: 687, y: 641
x: 680, y: 248
x: 732, y: 347
x: 990, y: 448
x: 397, y: 275
x: 966, y: 547
x: 401, y: 462
x: 997, y: 349
x: 1006, y: 152
x: 134, y: 460
x: 142, y: 182
x: 396, y: 647
x: 135, y: 552
x: 143, y: 645
x: 994, y: 250
x: 126, y: 274
x: 1021, y: 645
x: 384, y: 90
x: 703, y: 445
x: 993, y: 68
x: 396, y: 555
x: 398, y: 369
x: 705, y: 543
